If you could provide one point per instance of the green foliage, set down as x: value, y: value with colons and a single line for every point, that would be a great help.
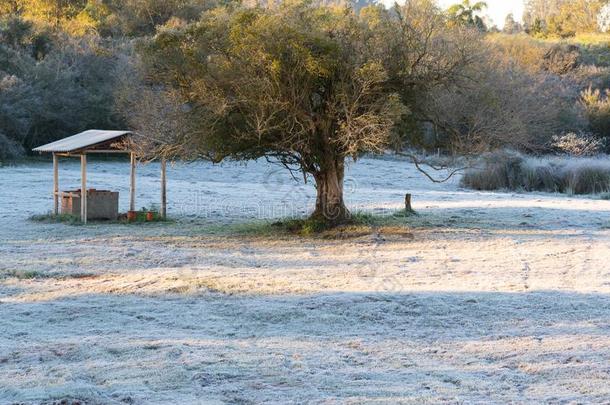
x: 52, y: 87
x: 105, y: 17
x: 537, y: 29
x: 59, y: 218
x: 305, y: 86
x: 23, y: 274
x: 561, y: 18
x: 468, y: 14
x: 359, y: 224
x: 287, y: 65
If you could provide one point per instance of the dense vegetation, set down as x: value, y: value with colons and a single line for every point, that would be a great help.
x: 304, y: 84
x: 63, y: 62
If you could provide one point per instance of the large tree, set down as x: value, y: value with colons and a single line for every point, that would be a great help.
x: 305, y: 86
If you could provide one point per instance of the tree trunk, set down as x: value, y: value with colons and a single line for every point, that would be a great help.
x: 330, y: 206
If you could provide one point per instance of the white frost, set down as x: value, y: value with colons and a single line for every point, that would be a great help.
x: 497, y: 297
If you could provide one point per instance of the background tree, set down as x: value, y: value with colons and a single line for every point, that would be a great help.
x: 603, y: 18
x: 498, y: 106
x: 52, y: 12
x: 541, y: 9
x: 561, y: 17
x: 468, y: 14
x: 511, y: 26
x: 50, y: 90
x: 580, y: 16
x: 305, y: 86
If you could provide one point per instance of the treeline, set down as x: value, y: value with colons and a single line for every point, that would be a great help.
x: 565, y: 18
x: 70, y: 65
x: 106, y: 18
x: 63, y: 61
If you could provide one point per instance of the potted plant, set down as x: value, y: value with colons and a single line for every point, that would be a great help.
x: 132, y: 216
x: 151, y: 213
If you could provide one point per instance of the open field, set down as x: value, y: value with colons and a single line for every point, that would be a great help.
x: 491, y: 298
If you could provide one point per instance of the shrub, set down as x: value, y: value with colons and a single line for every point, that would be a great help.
x: 526, y: 51
x: 504, y: 106
x: 586, y: 178
x: 576, y: 144
x: 597, y: 110
x: 561, y: 59
x: 500, y: 170
x: 513, y: 171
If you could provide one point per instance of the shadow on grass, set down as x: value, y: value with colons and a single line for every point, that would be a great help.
x: 423, y: 347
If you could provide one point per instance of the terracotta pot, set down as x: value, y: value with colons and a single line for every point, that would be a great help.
x: 150, y: 216
x: 132, y: 215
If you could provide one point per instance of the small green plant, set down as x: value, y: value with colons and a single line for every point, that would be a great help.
x: 51, y: 218
x: 23, y: 274
x: 144, y: 215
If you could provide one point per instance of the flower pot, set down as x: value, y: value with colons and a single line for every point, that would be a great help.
x: 150, y: 216
x: 132, y: 215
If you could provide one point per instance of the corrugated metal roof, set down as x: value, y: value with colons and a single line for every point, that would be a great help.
x: 80, y: 141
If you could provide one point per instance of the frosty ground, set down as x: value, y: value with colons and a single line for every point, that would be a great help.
x: 491, y: 297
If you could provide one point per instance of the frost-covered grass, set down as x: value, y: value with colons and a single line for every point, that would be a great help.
x: 514, y: 171
x: 487, y: 298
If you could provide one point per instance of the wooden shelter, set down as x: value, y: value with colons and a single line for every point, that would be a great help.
x: 98, y: 141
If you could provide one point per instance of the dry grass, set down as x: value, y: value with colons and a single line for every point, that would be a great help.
x: 513, y: 171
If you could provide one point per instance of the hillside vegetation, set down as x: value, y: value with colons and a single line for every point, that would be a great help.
x: 66, y: 66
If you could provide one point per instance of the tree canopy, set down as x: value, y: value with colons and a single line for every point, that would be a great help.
x: 305, y: 86
x: 467, y: 13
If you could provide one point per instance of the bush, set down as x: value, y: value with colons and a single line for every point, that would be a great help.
x: 526, y: 51
x: 508, y: 170
x: 577, y: 144
x: 561, y: 59
x: 504, y: 106
x: 597, y: 110
x: 498, y: 171
x: 586, y: 178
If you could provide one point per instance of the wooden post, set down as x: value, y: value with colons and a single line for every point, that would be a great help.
x: 83, y: 188
x: 408, y: 207
x: 55, y: 184
x: 163, y: 189
x: 132, y: 186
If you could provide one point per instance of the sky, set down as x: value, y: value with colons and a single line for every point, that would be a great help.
x: 497, y: 10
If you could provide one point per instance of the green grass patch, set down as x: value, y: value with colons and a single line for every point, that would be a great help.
x: 359, y: 224
x: 51, y: 218
x: 24, y: 274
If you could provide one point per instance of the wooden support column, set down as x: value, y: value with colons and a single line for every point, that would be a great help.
x: 163, y: 189
x: 83, y: 188
x: 132, y: 186
x: 55, y: 184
